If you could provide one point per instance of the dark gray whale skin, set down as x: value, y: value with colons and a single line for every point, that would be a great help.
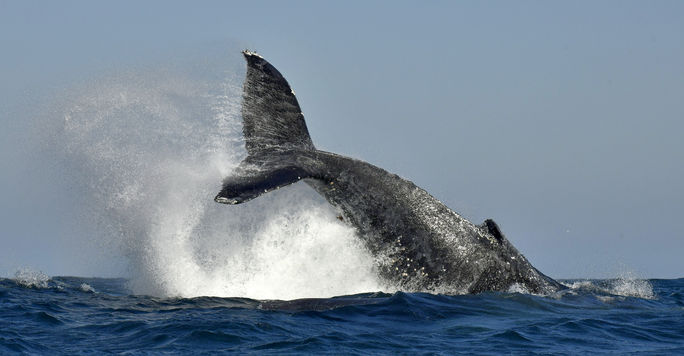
x: 420, y: 245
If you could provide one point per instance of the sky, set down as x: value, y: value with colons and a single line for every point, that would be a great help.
x: 562, y: 121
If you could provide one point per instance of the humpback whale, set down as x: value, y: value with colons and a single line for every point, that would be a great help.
x: 418, y: 243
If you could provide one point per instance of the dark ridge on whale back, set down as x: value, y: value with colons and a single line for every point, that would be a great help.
x: 493, y: 229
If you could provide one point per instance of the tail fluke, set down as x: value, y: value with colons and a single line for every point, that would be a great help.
x: 246, y: 185
x: 274, y: 130
x: 270, y: 112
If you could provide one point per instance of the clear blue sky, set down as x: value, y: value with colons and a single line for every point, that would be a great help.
x: 563, y: 121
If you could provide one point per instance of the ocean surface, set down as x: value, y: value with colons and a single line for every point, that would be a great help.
x: 71, y: 315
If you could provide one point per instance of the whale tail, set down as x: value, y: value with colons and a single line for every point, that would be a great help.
x: 274, y: 130
x: 270, y: 111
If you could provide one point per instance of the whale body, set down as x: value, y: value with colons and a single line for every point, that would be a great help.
x: 418, y: 243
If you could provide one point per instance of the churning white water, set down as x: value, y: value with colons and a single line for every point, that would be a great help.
x: 150, y: 148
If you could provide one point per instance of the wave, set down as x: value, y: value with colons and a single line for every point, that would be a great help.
x: 63, y: 318
x: 605, y: 290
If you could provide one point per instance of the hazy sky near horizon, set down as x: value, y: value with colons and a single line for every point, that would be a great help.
x: 562, y: 121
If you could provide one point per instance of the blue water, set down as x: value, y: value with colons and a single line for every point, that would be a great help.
x: 68, y: 315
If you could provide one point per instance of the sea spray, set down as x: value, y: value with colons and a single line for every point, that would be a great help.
x: 149, y: 149
x: 31, y: 279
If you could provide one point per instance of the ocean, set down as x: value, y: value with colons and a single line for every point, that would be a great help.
x: 72, y: 315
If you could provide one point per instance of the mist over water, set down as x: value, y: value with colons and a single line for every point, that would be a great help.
x: 147, y: 150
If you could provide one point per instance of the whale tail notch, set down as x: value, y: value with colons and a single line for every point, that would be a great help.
x: 274, y: 130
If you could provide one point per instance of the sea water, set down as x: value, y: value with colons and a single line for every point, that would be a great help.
x: 70, y: 315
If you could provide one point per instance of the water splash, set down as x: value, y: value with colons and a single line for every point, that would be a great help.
x: 626, y: 285
x: 149, y: 150
x: 85, y: 287
x: 29, y: 278
x: 629, y: 285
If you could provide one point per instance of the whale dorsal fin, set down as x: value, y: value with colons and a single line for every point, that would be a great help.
x: 270, y: 111
x: 493, y: 228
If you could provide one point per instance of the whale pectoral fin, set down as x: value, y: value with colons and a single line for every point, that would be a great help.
x: 244, y: 187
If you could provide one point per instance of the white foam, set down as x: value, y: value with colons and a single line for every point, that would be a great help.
x: 627, y: 285
x: 630, y: 286
x: 585, y: 284
x: 32, y: 279
x: 85, y: 287
x: 518, y: 288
